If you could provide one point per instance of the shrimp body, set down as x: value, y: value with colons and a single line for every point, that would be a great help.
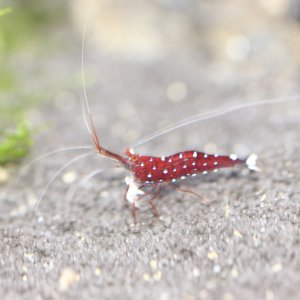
x: 152, y: 172
x: 150, y: 169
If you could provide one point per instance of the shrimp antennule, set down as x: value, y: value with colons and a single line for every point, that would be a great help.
x: 101, y: 149
x: 91, y: 128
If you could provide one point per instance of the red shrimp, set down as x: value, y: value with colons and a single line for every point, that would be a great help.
x: 148, y: 174
x: 149, y: 171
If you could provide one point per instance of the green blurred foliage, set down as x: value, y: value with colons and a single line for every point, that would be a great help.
x: 15, y: 145
x: 22, y: 28
x: 5, y: 11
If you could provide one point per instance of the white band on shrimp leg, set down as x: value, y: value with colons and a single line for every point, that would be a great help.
x: 133, y: 191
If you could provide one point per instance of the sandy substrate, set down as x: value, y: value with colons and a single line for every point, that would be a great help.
x: 82, y: 243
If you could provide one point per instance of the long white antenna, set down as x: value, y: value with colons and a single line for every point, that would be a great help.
x: 210, y: 115
x: 66, y: 149
x: 54, y: 177
x: 83, y: 80
x: 88, y: 177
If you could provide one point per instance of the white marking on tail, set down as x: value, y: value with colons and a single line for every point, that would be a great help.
x: 251, y: 163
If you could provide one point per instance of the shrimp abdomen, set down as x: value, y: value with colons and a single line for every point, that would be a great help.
x: 151, y: 169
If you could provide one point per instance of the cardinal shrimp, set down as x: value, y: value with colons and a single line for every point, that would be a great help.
x: 149, y: 174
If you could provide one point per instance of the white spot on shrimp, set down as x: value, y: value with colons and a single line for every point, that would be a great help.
x: 183, y: 177
x: 174, y: 170
x: 215, y: 163
x: 205, y: 155
x: 184, y: 166
x: 215, y: 170
x: 163, y: 158
x: 174, y: 180
x: 194, y: 163
x: 204, y: 172
x: 161, y: 180
x: 193, y: 175
x: 165, y: 171
x: 142, y: 164
x: 149, y: 175
x: 195, y: 154
x: 180, y: 155
x: 233, y: 156
x: 170, y: 160
x: 151, y: 159
x: 195, y: 169
x: 154, y: 168
x: 205, y: 164
x: 216, y: 155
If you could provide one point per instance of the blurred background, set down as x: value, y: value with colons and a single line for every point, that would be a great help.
x: 147, y: 64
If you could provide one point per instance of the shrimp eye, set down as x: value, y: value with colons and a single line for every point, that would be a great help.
x: 134, y: 158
